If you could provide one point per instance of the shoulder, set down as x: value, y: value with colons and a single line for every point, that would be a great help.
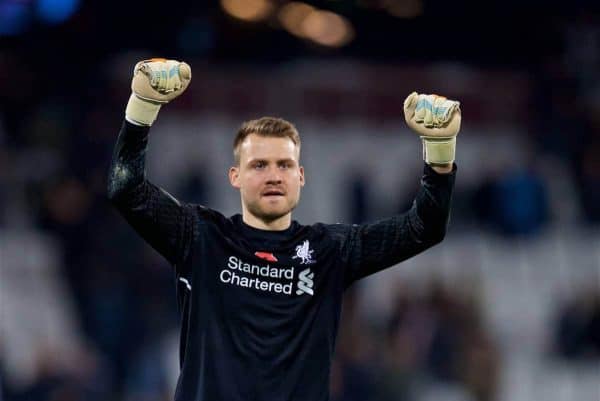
x: 338, y: 232
x: 206, y: 216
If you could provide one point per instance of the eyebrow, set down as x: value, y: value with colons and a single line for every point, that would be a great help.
x: 266, y: 160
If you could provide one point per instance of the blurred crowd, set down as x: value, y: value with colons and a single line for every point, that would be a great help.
x: 434, y: 339
x: 56, y: 142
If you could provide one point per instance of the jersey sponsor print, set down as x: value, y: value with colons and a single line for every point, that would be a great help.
x: 269, y: 278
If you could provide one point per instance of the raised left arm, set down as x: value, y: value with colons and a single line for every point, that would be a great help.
x: 370, y: 248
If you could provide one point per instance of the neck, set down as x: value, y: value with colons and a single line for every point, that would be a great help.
x: 279, y: 224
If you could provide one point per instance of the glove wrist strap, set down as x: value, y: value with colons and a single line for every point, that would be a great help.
x: 141, y: 111
x: 438, y: 150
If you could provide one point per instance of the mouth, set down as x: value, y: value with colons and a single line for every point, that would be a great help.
x: 273, y: 193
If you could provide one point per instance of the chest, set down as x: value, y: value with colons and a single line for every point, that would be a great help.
x: 267, y: 282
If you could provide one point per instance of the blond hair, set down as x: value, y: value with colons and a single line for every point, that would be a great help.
x: 268, y: 127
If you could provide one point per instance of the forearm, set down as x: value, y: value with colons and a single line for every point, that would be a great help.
x: 128, y: 166
x: 381, y: 244
x: 434, y: 198
x: 157, y: 216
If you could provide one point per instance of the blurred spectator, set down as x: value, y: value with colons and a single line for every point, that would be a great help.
x: 358, y: 197
x: 85, y: 379
x: 588, y: 177
x: 514, y: 202
x: 195, y: 188
x: 353, y: 370
x: 577, y: 326
x: 434, y: 338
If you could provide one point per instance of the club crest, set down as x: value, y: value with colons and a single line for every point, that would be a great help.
x: 304, y: 253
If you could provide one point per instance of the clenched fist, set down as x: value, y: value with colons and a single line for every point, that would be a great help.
x: 437, y: 120
x: 155, y: 82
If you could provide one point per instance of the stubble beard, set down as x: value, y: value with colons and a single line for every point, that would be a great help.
x: 255, y: 209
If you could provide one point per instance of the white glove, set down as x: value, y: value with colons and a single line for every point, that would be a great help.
x: 437, y: 120
x: 155, y: 82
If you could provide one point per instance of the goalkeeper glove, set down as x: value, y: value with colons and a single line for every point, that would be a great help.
x: 155, y: 82
x: 437, y: 120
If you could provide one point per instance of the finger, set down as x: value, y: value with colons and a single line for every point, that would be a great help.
x: 410, y: 103
x: 439, y: 111
x: 425, y: 108
x: 451, y: 128
x: 185, y: 71
x: 443, y: 110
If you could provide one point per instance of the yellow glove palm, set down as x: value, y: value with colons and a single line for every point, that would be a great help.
x: 437, y: 120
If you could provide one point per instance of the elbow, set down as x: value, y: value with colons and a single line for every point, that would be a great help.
x: 433, y: 229
x: 111, y: 192
x: 122, y: 187
x: 439, y: 235
x: 432, y: 224
x: 118, y: 180
x: 436, y: 234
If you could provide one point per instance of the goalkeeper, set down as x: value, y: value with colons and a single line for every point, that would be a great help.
x: 259, y: 293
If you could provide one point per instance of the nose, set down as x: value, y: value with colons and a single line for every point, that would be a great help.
x: 274, y: 176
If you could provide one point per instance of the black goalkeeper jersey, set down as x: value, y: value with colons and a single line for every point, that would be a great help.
x: 260, y: 309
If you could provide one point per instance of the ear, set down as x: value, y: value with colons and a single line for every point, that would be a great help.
x: 302, y: 176
x: 234, y: 177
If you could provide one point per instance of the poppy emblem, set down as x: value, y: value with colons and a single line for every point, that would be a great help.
x: 268, y: 256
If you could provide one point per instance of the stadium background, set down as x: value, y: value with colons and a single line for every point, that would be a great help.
x: 506, y: 308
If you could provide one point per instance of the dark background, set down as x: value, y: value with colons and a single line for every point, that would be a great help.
x: 507, y: 308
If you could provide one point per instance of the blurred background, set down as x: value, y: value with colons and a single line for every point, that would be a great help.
x: 507, y: 308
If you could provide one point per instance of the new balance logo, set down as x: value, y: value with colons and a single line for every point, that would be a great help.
x: 305, y: 282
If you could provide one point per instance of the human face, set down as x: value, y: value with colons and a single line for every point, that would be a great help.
x: 269, y: 177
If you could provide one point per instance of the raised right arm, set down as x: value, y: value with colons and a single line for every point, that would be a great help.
x: 167, y: 225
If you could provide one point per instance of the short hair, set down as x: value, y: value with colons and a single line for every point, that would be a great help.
x: 268, y: 127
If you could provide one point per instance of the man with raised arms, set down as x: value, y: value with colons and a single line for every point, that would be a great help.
x: 259, y: 293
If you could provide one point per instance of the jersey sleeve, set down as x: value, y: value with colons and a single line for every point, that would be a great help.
x: 368, y: 248
x: 168, y: 225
